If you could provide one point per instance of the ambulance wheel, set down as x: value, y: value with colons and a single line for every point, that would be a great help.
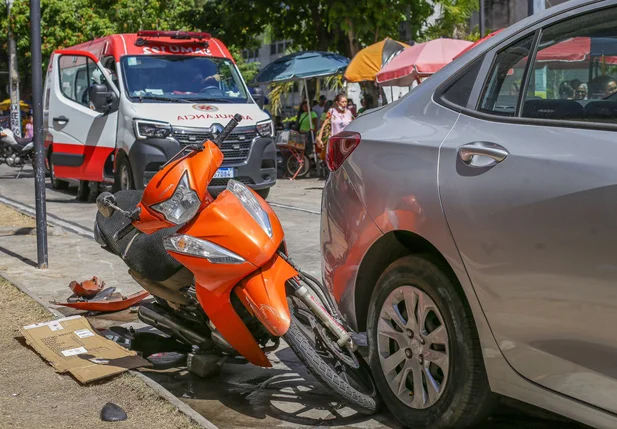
x: 83, y: 190
x: 56, y: 183
x: 263, y: 193
x: 124, y: 176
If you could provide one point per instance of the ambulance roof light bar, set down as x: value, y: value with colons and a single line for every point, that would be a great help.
x: 181, y: 35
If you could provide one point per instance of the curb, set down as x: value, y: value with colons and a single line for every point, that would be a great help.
x: 160, y: 390
x: 166, y: 394
x: 28, y: 292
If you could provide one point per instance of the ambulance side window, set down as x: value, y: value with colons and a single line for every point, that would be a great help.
x: 110, y: 64
x: 77, y: 73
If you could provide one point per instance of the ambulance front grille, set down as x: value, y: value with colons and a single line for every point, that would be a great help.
x: 236, y: 148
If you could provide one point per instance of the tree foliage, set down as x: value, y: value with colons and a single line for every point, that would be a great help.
x: 343, y: 26
x: 248, y: 70
x: 453, y: 21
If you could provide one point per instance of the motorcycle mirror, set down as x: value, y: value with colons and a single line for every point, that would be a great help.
x: 104, y: 203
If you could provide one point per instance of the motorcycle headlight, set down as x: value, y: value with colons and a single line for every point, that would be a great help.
x: 265, y: 128
x: 183, y: 204
x: 251, y: 205
x: 201, y: 248
x: 151, y: 129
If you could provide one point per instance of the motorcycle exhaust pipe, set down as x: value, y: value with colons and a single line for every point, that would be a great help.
x: 166, y: 323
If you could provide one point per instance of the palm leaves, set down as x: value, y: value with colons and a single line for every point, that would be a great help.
x: 279, y: 91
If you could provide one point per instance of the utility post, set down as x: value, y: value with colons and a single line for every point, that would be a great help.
x: 535, y: 6
x: 13, y: 80
x: 482, y: 19
x: 39, y: 156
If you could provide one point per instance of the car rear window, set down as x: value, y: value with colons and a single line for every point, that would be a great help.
x: 575, y: 70
x: 459, y: 91
x: 501, y: 92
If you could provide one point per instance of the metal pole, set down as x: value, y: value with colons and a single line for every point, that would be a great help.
x: 39, y: 156
x: 308, y: 105
x: 13, y: 80
x: 481, y: 18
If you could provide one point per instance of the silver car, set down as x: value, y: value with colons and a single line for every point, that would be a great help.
x: 470, y: 228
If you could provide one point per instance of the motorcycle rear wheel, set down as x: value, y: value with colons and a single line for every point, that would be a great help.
x: 354, y: 386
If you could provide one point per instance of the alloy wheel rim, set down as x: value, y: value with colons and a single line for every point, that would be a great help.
x: 412, y: 342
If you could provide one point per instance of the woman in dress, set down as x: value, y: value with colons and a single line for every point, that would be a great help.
x: 337, y: 119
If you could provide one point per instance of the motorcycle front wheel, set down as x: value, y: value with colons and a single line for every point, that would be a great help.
x: 347, y: 376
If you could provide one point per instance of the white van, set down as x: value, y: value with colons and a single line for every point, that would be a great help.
x: 117, y: 108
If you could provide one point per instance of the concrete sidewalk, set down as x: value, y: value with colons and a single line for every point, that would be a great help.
x: 243, y: 395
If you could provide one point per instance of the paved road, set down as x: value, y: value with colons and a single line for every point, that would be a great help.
x: 243, y: 395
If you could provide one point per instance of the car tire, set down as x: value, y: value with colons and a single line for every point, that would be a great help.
x: 123, y: 178
x: 56, y: 183
x: 438, y: 346
x: 263, y: 193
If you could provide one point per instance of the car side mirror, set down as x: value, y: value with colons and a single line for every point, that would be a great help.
x: 105, y: 203
x: 102, y: 98
x: 259, y: 97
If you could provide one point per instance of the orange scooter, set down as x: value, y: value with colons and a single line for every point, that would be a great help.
x: 219, y: 271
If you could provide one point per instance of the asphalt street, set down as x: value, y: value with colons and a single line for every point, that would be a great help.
x: 242, y: 395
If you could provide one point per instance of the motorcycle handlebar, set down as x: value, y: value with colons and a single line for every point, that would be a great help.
x: 228, y: 129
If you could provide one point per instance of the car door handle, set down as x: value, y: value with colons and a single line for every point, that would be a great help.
x: 62, y: 120
x: 468, y: 152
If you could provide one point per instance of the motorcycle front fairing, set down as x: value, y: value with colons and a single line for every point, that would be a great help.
x: 259, y: 276
x: 199, y: 167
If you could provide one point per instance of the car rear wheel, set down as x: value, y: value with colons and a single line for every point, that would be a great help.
x: 425, y: 353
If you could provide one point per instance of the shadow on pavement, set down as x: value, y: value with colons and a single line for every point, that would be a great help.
x: 247, y: 396
x: 18, y: 256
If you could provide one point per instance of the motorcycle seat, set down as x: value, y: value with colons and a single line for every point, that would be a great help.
x: 23, y: 140
x: 146, y: 255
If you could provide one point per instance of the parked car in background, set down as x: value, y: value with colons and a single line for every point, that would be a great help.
x: 469, y: 227
x: 154, y: 92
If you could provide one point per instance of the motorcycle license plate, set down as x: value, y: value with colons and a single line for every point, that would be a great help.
x: 224, y: 173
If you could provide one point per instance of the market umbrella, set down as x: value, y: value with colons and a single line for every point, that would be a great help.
x: 420, y: 60
x: 580, y: 49
x: 6, y: 105
x: 302, y: 66
x: 476, y: 43
x: 367, y: 63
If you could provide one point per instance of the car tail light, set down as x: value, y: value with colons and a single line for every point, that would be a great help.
x: 340, y: 147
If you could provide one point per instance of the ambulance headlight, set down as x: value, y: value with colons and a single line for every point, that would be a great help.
x: 151, y: 129
x: 183, y: 204
x: 265, y: 128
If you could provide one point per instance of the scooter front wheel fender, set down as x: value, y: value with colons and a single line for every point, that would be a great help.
x: 264, y: 295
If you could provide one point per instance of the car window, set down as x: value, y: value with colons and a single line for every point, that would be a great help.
x: 501, y: 91
x: 77, y: 73
x: 458, y: 92
x: 575, y: 70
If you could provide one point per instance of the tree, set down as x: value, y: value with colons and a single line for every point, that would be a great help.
x: 343, y: 26
x: 454, y: 20
x: 247, y: 70
x: 66, y: 23
x: 63, y: 23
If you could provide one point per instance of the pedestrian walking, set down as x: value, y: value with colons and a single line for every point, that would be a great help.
x: 337, y: 119
x: 30, y: 127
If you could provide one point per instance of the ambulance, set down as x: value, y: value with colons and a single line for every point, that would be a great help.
x: 118, y: 108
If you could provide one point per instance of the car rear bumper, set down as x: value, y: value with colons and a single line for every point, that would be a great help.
x: 347, y: 232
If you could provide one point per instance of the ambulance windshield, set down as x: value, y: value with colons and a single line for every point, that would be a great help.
x: 157, y: 78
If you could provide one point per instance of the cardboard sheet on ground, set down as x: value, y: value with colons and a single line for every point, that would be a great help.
x: 72, y: 345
